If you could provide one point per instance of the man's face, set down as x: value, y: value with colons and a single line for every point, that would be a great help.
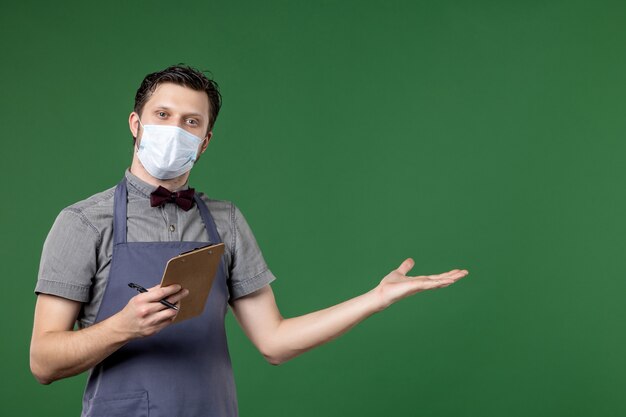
x: 175, y: 105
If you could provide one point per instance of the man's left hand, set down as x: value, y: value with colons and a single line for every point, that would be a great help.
x: 397, y: 285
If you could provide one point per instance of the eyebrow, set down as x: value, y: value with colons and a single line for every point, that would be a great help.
x: 199, y: 115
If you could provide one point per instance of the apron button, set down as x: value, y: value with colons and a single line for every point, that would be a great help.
x: 172, y: 228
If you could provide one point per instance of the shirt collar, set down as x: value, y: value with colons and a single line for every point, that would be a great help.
x: 142, y: 187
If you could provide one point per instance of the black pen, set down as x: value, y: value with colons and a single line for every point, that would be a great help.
x: 142, y: 289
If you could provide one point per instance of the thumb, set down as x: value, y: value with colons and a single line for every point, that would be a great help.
x: 406, y: 266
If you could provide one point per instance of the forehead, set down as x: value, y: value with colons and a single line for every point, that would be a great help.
x: 178, y: 98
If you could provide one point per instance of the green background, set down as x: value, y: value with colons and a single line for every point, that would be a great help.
x: 487, y: 135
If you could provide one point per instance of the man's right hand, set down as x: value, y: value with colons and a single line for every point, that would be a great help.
x: 58, y: 351
x: 144, y: 315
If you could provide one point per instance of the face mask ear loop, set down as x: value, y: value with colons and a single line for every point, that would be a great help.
x: 136, y: 139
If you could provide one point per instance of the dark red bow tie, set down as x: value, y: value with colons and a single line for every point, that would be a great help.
x: 184, y: 198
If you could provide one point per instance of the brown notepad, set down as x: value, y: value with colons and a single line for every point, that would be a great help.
x: 194, y: 270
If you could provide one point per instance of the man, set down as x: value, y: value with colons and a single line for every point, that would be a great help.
x: 140, y: 364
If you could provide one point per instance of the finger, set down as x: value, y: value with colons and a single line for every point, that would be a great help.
x: 454, y: 274
x: 171, y: 287
x: 444, y: 275
x: 449, y: 279
x: 154, y: 305
x: 457, y: 275
x: 148, y: 308
x: 178, y: 296
x: 406, y: 266
x: 425, y: 283
x: 167, y: 314
x: 158, y: 293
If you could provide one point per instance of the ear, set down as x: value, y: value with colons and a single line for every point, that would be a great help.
x: 205, y: 142
x: 133, y: 124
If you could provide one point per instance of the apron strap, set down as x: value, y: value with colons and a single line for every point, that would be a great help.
x: 119, y: 213
x: 209, y: 224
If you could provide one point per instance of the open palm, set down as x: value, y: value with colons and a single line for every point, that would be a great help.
x: 397, y: 285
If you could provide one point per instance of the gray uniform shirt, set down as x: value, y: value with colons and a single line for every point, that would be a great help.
x: 77, y: 253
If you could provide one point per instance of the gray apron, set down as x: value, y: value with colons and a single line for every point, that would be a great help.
x: 182, y: 371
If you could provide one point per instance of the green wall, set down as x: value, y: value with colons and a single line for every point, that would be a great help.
x: 487, y: 135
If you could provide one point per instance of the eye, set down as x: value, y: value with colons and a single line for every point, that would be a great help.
x: 161, y: 114
x: 192, y: 122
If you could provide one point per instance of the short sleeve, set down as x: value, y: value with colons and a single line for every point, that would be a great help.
x: 68, y: 260
x: 248, y: 270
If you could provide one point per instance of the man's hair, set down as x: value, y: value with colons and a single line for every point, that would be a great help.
x: 185, y: 76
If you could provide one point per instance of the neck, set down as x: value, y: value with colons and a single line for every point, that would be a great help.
x: 140, y: 172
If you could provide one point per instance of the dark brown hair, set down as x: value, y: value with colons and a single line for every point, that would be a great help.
x: 183, y: 75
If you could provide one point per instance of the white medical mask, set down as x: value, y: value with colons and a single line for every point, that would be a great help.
x: 167, y: 152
